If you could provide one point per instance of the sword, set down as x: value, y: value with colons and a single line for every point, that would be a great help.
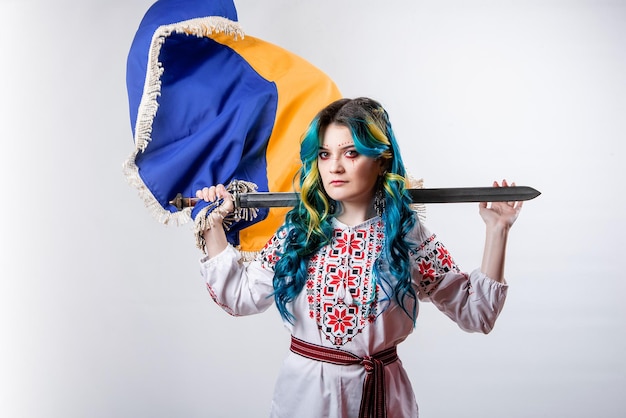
x: 441, y: 195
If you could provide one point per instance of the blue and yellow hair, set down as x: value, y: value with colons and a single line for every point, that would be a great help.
x: 309, y: 222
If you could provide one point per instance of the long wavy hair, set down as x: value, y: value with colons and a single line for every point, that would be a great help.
x: 309, y: 224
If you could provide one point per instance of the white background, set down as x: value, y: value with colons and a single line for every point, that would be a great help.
x: 103, y: 312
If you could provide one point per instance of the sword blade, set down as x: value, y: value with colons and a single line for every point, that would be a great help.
x: 442, y: 195
x: 473, y: 194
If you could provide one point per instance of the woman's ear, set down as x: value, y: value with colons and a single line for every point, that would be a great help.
x: 382, y: 167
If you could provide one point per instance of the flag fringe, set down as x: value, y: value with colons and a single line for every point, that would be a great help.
x: 419, y: 208
x: 200, y: 27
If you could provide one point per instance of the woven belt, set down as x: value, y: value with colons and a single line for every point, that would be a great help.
x: 373, y: 399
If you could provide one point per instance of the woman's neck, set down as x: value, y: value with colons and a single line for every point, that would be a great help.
x: 354, y: 215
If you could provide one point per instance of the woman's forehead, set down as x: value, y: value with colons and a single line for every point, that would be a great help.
x: 337, y: 136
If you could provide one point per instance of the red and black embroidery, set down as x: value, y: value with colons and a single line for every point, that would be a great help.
x: 432, y: 260
x: 339, y: 287
x: 271, y: 252
x: 339, y: 290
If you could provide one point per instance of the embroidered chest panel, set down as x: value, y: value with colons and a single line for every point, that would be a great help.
x: 340, y: 295
x: 339, y: 288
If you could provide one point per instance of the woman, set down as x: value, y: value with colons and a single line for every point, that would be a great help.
x: 348, y: 267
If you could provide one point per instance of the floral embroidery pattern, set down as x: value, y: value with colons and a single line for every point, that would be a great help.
x: 433, y: 260
x: 270, y: 254
x: 338, y: 287
x: 341, y: 319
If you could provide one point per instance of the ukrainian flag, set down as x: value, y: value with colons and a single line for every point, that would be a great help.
x: 209, y: 105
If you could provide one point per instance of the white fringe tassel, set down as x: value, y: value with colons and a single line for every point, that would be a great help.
x: 149, y: 105
x: 419, y: 208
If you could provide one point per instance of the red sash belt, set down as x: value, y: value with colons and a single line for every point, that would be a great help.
x: 373, y: 400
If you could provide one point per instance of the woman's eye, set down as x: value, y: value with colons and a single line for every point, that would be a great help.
x: 352, y: 153
x: 323, y: 155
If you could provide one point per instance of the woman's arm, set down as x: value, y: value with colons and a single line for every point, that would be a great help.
x: 473, y: 300
x: 237, y: 287
x: 499, y: 217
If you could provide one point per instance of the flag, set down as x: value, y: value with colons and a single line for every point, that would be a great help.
x: 209, y: 104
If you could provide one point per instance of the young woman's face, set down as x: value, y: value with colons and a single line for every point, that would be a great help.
x: 347, y: 176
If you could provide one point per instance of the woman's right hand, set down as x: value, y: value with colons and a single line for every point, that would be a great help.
x: 213, y: 234
x: 213, y: 193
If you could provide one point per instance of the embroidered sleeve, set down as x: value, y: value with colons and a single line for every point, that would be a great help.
x: 473, y: 300
x: 238, y: 287
x: 433, y: 261
x: 271, y: 253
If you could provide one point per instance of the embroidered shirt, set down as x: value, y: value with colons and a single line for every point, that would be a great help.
x: 345, y: 305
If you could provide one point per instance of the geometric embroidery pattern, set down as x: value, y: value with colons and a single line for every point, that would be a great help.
x: 339, y: 289
x: 433, y: 261
x: 339, y: 286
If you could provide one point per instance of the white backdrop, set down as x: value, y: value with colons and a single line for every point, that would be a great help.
x: 103, y: 312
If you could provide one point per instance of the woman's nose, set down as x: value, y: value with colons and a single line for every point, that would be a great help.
x: 336, y: 166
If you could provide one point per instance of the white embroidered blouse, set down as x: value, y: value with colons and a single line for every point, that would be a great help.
x: 336, y: 309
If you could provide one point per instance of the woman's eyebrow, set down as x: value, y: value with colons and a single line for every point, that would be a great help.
x: 343, y: 146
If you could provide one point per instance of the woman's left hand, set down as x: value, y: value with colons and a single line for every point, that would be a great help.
x: 501, y: 214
